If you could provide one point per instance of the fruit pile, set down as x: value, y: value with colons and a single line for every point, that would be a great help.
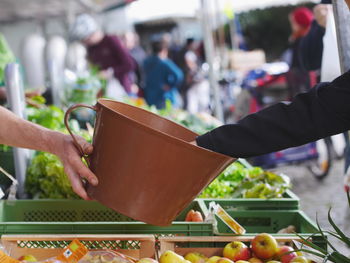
x: 194, y: 216
x: 264, y: 249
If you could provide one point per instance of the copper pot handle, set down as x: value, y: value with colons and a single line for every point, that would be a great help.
x: 66, y: 118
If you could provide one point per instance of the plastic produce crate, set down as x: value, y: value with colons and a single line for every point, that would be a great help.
x: 209, y: 246
x: 289, y: 201
x: 213, y: 245
x: 86, y: 217
x: 46, y: 246
x: 272, y: 221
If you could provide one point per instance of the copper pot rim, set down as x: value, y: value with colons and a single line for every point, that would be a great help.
x: 149, y: 129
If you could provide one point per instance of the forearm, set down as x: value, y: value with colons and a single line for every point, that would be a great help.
x: 322, y: 112
x: 17, y: 132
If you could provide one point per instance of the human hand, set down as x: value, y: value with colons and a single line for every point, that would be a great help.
x: 320, y: 13
x: 75, y: 169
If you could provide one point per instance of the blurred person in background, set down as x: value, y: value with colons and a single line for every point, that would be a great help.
x: 311, y: 45
x: 298, y: 78
x: 162, y: 77
x: 105, y: 51
x: 311, y: 50
x: 195, y: 89
x: 132, y: 43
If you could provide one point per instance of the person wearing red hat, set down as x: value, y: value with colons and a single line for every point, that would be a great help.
x: 298, y: 78
x: 300, y: 20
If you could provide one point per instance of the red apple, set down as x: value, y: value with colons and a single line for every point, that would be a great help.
x: 264, y: 246
x: 286, y: 254
x: 236, y: 250
x: 242, y: 261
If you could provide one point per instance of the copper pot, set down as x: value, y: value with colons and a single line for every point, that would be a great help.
x: 146, y: 167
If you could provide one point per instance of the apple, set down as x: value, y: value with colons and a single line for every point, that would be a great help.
x: 286, y: 254
x: 213, y: 259
x: 236, y: 250
x: 300, y: 259
x: 224, y: 260
x: 147, y: 260
x: 171, y: 257
x: 273, y: 261
x: 28, y: 258
x: 195, y: 257
x: 255, y: 260
x: 242, y: 261
x: 264, y: 246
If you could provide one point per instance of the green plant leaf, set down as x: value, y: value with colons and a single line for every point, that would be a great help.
x: 312, y: 245
x: 324, y: 237
x: 344, y: 238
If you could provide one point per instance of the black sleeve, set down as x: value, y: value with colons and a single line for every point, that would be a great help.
x: 321, y: 112
x: 311, y: 47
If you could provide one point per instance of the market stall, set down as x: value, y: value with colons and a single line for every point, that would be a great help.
x: 239, y: 213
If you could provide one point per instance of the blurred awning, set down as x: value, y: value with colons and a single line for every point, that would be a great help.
x: 15, y: 10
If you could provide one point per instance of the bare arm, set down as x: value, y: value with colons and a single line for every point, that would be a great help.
x: 17, y: 132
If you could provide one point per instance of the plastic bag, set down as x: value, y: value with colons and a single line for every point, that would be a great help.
x: 75, y: 252
x: 330, y: 67
x: 102, y: 256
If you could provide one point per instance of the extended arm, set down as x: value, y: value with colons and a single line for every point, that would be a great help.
x: 321, y: 112
x: 17, y: 132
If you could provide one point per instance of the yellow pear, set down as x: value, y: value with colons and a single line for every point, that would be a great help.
x: 224, y: 260
x: 171, y: 257
x: 195, y: 257
x: 28, y: 258
x: 213, y: 259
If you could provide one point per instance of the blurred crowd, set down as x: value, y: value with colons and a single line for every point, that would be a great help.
x: 166, y: 72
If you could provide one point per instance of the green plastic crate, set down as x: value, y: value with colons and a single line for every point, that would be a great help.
x: 288, y: 202
x: 86, y: 217
x: 271, y: 221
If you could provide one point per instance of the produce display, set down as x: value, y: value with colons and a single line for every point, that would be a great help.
x: 247, y: 182
x: 262, y: 249
x: 194, y: 216
x: 46, y: 178
x: 45, y: 174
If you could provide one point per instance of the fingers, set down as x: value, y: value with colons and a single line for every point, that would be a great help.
x: 74, y: 167
x: 77, y: 184
x: 86, y: 147
x: 82, y: 170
